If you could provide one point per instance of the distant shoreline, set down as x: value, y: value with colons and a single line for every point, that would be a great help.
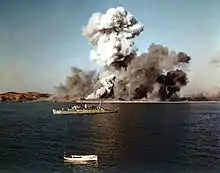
x: 30, y: 97
x: 144, y: 102
x: 116, y: 102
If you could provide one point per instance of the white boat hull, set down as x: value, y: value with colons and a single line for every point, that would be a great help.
x: 78, y: 159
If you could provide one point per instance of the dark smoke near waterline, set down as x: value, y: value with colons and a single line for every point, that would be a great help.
x: 78, y: 85
x: 157, y: 67
x: 171, y: 83
x: 137, y: 80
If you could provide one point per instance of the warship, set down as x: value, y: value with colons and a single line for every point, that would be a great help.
x: 84, y: 109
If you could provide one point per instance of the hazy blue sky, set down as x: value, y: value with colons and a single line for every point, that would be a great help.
x: 41, y: 39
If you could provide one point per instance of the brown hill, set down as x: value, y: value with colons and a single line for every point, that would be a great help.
x: 21, y: 97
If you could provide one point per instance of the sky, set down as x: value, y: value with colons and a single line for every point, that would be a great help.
x: 41, y: 39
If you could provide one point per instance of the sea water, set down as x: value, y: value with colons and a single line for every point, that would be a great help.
x: 151, y: 138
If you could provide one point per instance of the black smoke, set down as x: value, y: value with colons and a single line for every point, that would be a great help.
x: 171, y: 83
x: 157, y: 67
x: 157, y: 74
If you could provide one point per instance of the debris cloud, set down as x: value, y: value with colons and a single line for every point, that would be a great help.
x: 158, y: 74
x: 112, y: 35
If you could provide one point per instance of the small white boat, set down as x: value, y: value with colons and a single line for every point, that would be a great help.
x: 80, y: 158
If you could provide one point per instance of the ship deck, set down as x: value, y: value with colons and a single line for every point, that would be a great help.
x: 85, y: 112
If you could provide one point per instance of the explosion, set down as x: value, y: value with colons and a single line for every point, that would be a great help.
x: 159, y: 73
x: 112, y: 35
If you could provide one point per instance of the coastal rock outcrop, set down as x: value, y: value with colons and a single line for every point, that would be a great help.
x: 22, y: 97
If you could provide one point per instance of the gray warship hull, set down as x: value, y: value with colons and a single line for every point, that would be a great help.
x: 58, y: 112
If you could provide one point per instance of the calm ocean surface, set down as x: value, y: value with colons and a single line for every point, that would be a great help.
x: 154, y: 138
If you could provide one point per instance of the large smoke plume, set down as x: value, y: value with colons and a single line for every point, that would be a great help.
x: 112, y: 35
x: 157, y: 74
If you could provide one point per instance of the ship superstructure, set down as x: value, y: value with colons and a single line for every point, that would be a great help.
x: 84, y: 109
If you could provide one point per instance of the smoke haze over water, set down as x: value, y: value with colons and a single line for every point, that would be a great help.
x: 205, y: 80
x: 21, y: 76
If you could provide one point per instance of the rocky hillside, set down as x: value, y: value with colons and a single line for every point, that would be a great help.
x: 22, y: 97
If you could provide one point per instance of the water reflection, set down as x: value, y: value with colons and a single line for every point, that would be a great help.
x: 139, y: 138
x: 200, y: 145
x: 150, y: 136
x: 86, y: 167
x: 140, y: 134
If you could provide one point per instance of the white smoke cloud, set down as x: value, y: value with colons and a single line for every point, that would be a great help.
x: 105, y: 89
x: 112, y: 35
